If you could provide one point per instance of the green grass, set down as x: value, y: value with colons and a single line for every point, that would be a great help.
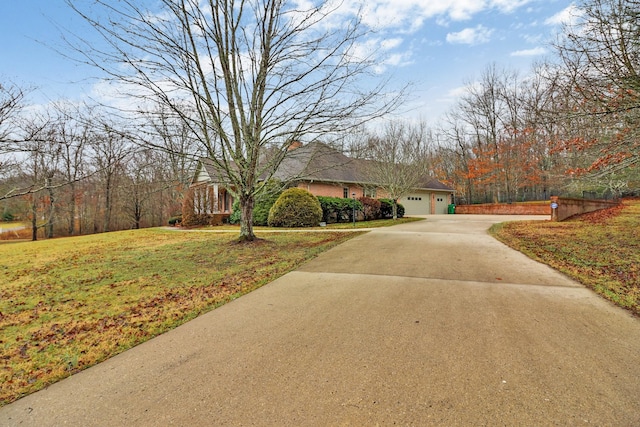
x: 600, y: 250
x: 67, y: 304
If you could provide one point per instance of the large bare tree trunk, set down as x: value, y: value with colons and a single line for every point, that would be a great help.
x: 246, y: 225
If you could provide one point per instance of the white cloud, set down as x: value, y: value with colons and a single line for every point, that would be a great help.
x: 508, y: 6
x: 569, y: 15
x: 536, y: 51
x: 534, y: 38
x: 399, y: 59
x: 409, y: 15
x: 383, y: 51
x: 471, y: 36
x: 457, y: 92
x: 391, y: 43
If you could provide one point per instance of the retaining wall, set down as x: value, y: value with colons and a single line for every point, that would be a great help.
x: 569, y: 207
x: 542, y: 208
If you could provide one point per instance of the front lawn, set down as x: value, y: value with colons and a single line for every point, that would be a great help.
x: 67, y: 304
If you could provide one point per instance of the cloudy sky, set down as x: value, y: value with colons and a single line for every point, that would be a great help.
x: 438, y: 45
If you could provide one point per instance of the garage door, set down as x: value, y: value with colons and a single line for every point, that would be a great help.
x: 416, y: 204
x: 442, y: 203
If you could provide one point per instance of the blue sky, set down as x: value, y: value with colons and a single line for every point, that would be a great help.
x: 439, y: 45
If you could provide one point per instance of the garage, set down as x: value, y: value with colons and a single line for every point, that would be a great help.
x: 426, y: 202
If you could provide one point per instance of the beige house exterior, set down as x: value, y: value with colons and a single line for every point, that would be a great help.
x: 324, y: 171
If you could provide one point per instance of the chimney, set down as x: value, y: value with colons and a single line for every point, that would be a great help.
x: 294, y: 145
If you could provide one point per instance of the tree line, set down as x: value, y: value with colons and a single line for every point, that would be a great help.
x: 69, y: 170
x: 569, y: 127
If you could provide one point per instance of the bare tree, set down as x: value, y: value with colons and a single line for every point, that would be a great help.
x: 39, y: 170
x: 455, y: 143
x: 11, y: 100
x: 73, y: 135
x: 109, y: 151
x: 254, y: 74
x: 179, y: 153
x: 398, y: 160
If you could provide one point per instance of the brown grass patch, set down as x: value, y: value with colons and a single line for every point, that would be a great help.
x: 600, y: 250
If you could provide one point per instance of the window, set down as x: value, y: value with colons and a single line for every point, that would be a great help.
x: 345, y: 192
x: 370, y: 192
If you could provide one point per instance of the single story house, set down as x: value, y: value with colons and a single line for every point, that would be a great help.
x: 323, y: 171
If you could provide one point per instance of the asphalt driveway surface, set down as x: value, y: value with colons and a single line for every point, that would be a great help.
x: 429, y: 323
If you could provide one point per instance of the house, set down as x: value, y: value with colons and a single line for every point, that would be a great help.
x: 323, y: 171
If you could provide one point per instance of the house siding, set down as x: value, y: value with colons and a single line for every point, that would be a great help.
x: 201, y: 176
x: 331, y: 190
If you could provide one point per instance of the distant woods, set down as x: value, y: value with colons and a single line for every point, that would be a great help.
x: 569, y: 127
x: 70, y: 170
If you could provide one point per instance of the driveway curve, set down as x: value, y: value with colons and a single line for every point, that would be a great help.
x: 427, y: 323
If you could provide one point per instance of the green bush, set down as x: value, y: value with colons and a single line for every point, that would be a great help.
x: 175, y: 220
x: 295, y: 208
x: 264, y: 202
x: 386, y: 209
x: 337, y: 209
x: 7, y: 216
x: 236, y: 214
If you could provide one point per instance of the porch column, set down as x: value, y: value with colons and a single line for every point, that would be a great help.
x: 215, y: 199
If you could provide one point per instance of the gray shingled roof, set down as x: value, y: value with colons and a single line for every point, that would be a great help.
x: 319, y: 162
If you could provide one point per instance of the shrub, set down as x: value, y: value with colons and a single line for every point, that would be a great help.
x: 386, y: 209
x: 264, y: 202
x: 337, y: 209
x: 236, y: 214
x: 370, y: 208
x: 7, y: 216
x: 175, y: 220
x: 295, y: 208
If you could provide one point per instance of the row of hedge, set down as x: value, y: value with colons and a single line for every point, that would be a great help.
x: 296, y: 207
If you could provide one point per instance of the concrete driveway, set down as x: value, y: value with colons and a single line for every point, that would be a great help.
x: 430, y: 323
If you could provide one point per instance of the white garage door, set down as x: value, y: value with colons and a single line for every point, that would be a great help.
x: 442, y: 203
x: 417, y: 204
